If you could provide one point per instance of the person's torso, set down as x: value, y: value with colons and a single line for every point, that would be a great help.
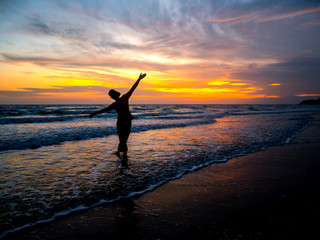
x: 122, y: 108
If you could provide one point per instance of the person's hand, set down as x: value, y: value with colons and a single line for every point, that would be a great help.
x: 92, y: 115
x: 142, y: 75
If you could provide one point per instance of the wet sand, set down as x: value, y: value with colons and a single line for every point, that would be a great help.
x: 271, y: 194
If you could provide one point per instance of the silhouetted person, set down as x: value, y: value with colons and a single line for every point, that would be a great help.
x: 121, y: 105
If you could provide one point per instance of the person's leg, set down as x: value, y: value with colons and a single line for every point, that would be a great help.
x: 127, y: 131
x: 124, y: 129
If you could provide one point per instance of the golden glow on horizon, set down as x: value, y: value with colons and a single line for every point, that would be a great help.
x: 24, y: 75
x: 157, y: 84
x: 219, y: 82
x: 212, y: 93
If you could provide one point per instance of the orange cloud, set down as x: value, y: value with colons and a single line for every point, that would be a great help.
x: 308, y: 95
x: 219, y: 82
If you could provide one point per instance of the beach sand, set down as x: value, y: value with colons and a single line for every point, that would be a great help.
x: 271, y: 194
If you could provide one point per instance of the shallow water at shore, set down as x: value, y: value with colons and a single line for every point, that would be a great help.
x: 56, y: 179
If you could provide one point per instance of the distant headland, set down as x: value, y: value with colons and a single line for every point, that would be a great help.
x: 311, y: 102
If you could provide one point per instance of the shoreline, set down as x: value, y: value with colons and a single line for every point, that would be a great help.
x: 268, y: 194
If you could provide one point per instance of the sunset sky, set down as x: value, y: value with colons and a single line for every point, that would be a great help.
x: 196, y: 51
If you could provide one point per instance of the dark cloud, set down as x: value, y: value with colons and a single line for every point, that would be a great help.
x: 240, y: 12
x: 16, y: 93
x: 55, y: 89
x: 37, y: 60
x: 38, y: 25
x: 67, y: 89
x: 296, y: 68
x: 296, y: 76
x: 34, y: 59
x: 107, y: 41
x: 270, y: 28
x: 305, y: 63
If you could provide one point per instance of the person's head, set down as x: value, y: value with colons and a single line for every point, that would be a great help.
x: 114, y: 94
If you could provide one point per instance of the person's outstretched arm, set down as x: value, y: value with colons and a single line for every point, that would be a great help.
x: 134, y: 86
x: 107, y: 109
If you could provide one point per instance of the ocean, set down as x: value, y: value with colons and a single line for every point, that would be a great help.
x: 55, y: 160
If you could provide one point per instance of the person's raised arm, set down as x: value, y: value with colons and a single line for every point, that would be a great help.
x: 109, y: 108
x: 134, y: 86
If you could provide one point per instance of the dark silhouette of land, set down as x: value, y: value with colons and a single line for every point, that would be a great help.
x: 121, y: 105
x: 311, y: 102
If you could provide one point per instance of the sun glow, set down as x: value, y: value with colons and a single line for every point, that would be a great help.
x: 226, y: 81
x: 275, y: 84
x: 211, y: 93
